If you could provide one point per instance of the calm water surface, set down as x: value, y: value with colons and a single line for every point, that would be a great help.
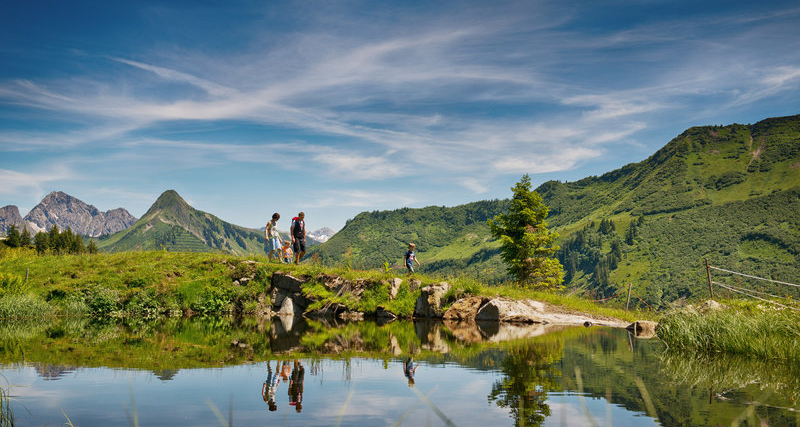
x: 292, y: 372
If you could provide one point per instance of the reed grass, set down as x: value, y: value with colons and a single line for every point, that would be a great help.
x: 756, y: 331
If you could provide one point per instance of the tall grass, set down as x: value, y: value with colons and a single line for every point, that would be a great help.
x: 766, y: 333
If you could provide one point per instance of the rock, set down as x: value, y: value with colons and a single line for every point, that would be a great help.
x: 643, y: 328
x: 287, y: 282
x: 500, y: 332
x: 394, y: 287
x: 330, y: 282
x: 414, y: 284
x: 710, y: 305
x: 429, y: 303
x: 465, y: 308
x: 503, y: 310
x: 287, y: 308
x: 382, y: 313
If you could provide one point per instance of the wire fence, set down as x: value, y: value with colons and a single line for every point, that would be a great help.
x: 746, y: 288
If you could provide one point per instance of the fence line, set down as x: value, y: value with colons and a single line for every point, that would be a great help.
x: 753, y: 296
x: 753, y: 277
x: 747, y: 291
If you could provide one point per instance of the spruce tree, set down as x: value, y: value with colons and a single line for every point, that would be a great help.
x: 526, y: 243
x: 13, y: 238
x: 25, y: 238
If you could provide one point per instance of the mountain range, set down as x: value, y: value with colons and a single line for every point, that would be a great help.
x: 727, y: 193
x: 64, y: 211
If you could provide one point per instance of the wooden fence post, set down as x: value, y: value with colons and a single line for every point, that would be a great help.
x: 629, y: 296
x: 708, y: 274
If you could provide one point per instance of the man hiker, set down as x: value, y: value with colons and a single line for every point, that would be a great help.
x: 298, y: 232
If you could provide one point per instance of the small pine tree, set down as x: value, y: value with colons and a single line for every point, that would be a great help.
x: 26, y: 237
x: 91, y: 247
x: 527, y: 244
x: 40, y: 242
x: 13, y: 238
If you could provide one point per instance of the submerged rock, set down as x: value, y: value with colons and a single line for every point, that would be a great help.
x: 643, y: 328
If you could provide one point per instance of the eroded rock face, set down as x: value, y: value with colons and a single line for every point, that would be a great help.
x: 429, y: 303
x: 62, y: 210
x: 465, y: 308
x: 504, y: 310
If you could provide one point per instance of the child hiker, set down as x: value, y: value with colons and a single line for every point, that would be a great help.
x: 286, y: 251
x: 410, y: 258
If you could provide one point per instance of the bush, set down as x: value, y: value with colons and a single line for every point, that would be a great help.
x: 23, y: 305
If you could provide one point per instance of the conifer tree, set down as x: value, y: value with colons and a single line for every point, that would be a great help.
x: 13, y: 239
x: 25, y: 238
x: 526, y: 243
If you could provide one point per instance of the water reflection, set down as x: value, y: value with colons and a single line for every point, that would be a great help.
x: 526, y: 376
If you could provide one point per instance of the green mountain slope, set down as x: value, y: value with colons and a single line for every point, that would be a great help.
x: 173, y: 225
x: 729, y: 193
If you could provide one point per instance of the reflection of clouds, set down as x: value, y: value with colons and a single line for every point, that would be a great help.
x: 567, y: 409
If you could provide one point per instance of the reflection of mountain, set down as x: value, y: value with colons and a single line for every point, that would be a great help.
x: 166, y: 374
x: 51, y: 372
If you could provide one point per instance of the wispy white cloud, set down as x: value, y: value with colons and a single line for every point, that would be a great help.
x: 14, y: 182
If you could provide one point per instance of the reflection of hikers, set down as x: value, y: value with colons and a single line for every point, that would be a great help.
x: 409, y: 369
x: 273, y: 237
x: 298, y: 232
x: 270, y: 387
x: 410, y: 258
x: 296, y: 386
x: 285, y: 371
x: 286, y: 251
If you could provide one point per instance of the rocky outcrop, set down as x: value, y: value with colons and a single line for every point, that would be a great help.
x: 505, y: 310
x: 465, y: 309
x: 64, y: 211
x: 394, y: 287
x: 429, y: 303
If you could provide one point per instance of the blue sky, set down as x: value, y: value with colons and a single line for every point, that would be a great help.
x: 338, y: 107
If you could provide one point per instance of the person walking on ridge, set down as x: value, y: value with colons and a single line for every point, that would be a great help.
x: 410, y: 258
x: 273, y: 236
x: 298, y: 232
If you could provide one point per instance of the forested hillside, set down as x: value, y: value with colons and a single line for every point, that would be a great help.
x: 729, y: 193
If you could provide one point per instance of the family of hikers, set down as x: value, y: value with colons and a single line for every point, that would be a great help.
x: 282, y: 250
x: 297, y: 231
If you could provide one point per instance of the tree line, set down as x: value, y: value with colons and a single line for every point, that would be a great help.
x: 53, y: 241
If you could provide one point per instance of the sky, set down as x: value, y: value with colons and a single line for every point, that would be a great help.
x: 333, y: 108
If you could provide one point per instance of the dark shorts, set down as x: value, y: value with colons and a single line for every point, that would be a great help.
x: 299, y: 245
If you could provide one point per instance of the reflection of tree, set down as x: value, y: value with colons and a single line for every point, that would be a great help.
x: 530, y: 373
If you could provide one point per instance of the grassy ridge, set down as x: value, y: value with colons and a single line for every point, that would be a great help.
x: 158, y: 282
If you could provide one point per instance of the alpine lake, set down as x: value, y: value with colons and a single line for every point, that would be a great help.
x: 226, y: 371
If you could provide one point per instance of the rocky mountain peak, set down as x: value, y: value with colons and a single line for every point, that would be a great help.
x: 62, y: 210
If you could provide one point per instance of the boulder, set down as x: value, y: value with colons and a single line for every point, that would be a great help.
x: 429, y: 303
x: 710, y: 305
x: 287, y: 308
x: 465, y: 308
x: 414, y: 284
x: 394, y: 287
x: 287, y: 282
x: 643, y: 328
x: 382, y: 313
x: 504, y: 310
x: 329, y: 281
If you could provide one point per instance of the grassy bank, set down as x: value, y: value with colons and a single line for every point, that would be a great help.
x: 743, y: 328
x: 160, y: 282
